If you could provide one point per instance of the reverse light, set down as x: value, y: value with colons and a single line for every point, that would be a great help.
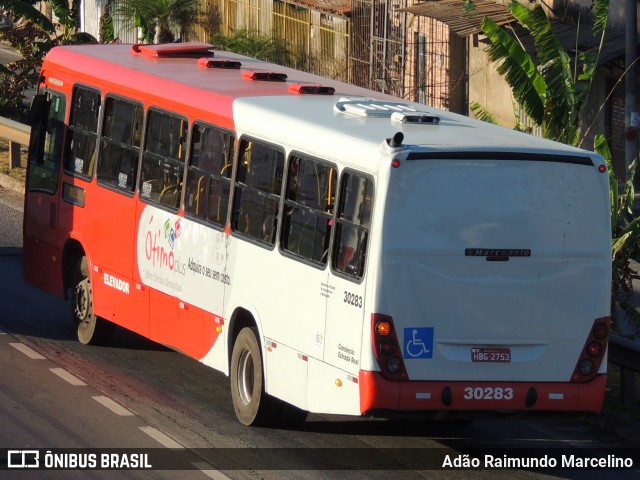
x: 394, y: 365
x: 586, y: 367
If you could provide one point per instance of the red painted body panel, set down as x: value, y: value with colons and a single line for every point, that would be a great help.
x: 377, y: 393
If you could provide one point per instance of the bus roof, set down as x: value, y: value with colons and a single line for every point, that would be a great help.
x: 207, y: 82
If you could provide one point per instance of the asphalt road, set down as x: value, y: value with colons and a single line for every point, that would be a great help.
x: 56, y: 393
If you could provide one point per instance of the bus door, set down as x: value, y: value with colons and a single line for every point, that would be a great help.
x: 346, y: 285
x: 41, y: 232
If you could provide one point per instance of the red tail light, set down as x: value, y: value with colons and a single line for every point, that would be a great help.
x: 387, y: 348
x: 593, y: 352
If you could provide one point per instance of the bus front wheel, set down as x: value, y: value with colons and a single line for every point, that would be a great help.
x: 91, y: 329
x: 250, y: 401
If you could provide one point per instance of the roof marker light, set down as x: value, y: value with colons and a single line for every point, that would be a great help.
x: 264, y: 76
x: 602, y: 168
x: 224, y: 63
x: 172, y: 50
x: 311, y: 89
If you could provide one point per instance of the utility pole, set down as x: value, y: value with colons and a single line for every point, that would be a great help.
x: 631, y: 81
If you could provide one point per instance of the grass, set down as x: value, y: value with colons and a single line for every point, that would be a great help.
x: 18, y: 173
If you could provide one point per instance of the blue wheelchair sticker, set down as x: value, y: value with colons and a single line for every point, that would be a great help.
x: 418, y: 342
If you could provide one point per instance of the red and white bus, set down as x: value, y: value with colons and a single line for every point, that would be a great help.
x: 329, y: 248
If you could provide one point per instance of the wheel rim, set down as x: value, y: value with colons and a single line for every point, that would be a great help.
x: 245, y: 377
x: 81, y: 303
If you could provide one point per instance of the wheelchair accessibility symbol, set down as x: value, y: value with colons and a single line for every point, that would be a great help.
x: 418, y: 342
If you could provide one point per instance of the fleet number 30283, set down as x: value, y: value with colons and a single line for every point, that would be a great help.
x: 488, y: 393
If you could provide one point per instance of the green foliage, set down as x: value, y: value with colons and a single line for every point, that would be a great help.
x: 625, y: 235
x: 33, y: 36
x: 482, y: 113
x: 551, y: 88
x: 270, y: 49
x: 157, y: 17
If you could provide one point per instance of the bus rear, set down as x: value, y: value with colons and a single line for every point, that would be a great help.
x: 494, y: 283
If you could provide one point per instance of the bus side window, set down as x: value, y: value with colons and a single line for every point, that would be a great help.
x: 209, y: 173
x: 45, y: 150
x: 163, y: 159
x: 257, y: 190
x: 82, y: 138
x: 120, y: 144
x: 353, y: 223
x: 308, y: 211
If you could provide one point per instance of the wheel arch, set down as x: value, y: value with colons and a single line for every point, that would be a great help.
x: 241, y: 318
x: 71, y: 255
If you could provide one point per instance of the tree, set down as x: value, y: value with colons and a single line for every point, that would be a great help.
x: 157, y: 17
x: 33, y: 35
x: 625, y: 235
x: 551, y: 87
x: 267, y: 48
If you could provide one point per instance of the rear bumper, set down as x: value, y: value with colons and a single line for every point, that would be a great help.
x: 378, y: 393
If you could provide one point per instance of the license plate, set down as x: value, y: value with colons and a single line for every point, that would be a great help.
x: 498, y: 355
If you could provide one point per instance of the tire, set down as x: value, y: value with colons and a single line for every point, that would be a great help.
x: 252, y: 405
x: 90, y: 329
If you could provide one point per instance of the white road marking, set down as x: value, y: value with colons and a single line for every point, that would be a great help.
x: 29, y: 352
x: 63, y: 374
x: 160, y: 437
x: 113, y: 406
x: 209, y: 471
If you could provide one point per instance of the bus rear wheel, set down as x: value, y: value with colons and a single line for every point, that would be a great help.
x: 91, y: 329
x: 251, y: 403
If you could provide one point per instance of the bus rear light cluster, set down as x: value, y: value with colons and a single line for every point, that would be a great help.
x: 387, y: 348
x: 593, y: 351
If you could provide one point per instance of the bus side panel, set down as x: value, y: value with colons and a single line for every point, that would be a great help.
x: 120, y: 301
x: 109, y: 241
x: 332, y: 390
x: 42, y: 267
x: 287, y: 373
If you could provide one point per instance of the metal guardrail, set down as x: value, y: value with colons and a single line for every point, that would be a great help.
x: 18, y: 134
x: 626, y: 354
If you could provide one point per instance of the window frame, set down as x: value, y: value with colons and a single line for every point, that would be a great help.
x: 358, y: 277
x: 72, y: 130
x: 228, y: 179
x: 131, y: 147
x: 162, y: 162
x: 37, y: 159
x: 238, y: 187
x: 316, y: 212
